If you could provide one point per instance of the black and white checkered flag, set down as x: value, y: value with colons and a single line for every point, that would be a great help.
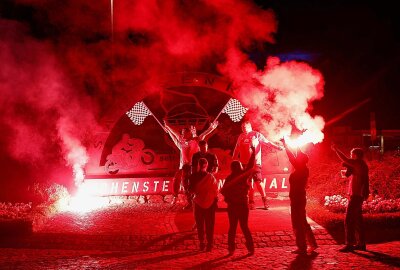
x: 138, y: 113
x: 235, y: 110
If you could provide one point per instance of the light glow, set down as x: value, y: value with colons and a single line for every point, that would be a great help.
x: 84, y: 201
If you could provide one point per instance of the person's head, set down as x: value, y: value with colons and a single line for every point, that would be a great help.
x: 236, y: 167
x: 203, y: 164
x: 125, y: 137
x: 246, y: 127
x: 203, y: 145
x: 357, y: 153
x: 185, y: 132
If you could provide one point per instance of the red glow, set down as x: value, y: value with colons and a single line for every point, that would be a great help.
x: 279, y: 96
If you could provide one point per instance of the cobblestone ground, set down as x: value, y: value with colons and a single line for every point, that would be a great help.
x: 378, y: 256
x: 159, y: 236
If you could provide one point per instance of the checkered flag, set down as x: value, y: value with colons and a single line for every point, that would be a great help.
x: 138, y: 113
x: 235, y: 110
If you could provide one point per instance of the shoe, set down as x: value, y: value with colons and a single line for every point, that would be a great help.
x: 252, y: 206
x: 360, y: 247
x: 230, y: 252
x: 209, y: 248
x: 202, y: 246
x: 311, y: 249
x: 299, y: 251
x: 174, y: 200
x: 266, y: 205
x: 347, y: 248
x: 250, y: 251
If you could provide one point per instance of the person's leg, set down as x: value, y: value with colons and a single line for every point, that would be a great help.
x: 243, y: 215
x: 298, y: 226
x: 358, y: 224
x: 177, y: 185
x: 185, y: 182
x: 349, y: 226
x: 257, y: 182
x: 199, y: 218
x: 233, y: 221
x: 210, y: 222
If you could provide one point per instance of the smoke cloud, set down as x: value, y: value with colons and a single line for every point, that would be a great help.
x: 66, y: 66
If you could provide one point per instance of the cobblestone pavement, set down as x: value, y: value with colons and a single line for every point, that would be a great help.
x: 159, y: 236
x: 378, y: 256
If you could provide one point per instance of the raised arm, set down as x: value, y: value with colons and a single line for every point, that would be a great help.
x: 174, y: 135
x: 340, y: 154
x: 210, y: 129
x: 289, y: 153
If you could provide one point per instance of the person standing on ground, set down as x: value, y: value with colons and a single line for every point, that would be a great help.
x: 297, y: 194
x: 204, y: 188
x: 235, y: 192
x: 358, y: 191
x: 242, y: 153
x: 187, y: 143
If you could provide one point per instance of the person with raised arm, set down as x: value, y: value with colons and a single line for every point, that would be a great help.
x: 358, y: 191
x: 298, y: 200
x: 188, y: 144
x: 235, y: 192
x: 242, y: 152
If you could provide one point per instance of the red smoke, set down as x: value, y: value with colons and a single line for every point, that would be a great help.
x: 70, y: 67
x: 279, y: 96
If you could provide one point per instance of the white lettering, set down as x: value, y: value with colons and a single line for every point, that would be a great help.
x: 124, y: 187
x: 264, y: 183
x: 114, y: 187
x: 221, y: 183
x: 155, y: 185
x: 283, y: 183
x: 135, y: 187
x: 103, y: 188
x: 146, y: 186
x: 273, y: 183
x: 165, y: 186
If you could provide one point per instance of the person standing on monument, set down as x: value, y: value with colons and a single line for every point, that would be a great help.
x: 188, y: 144
x: 242, y: 152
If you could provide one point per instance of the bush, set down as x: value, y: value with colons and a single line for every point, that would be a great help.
x: 338, y: 204
x: 47, y: 193
x: 15, y: 211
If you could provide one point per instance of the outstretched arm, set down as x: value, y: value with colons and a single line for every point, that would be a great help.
x: 264, y: 140
x: 210, y: 129
x: 174, y: 135
x: 340, y: 154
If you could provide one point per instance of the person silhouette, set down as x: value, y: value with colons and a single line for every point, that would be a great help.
x: 297, y: 194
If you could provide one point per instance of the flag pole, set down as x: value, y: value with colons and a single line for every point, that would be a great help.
x: 152, y: 114
x: 221, y: 111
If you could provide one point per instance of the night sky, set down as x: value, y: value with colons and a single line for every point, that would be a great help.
x: 355, y: 44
